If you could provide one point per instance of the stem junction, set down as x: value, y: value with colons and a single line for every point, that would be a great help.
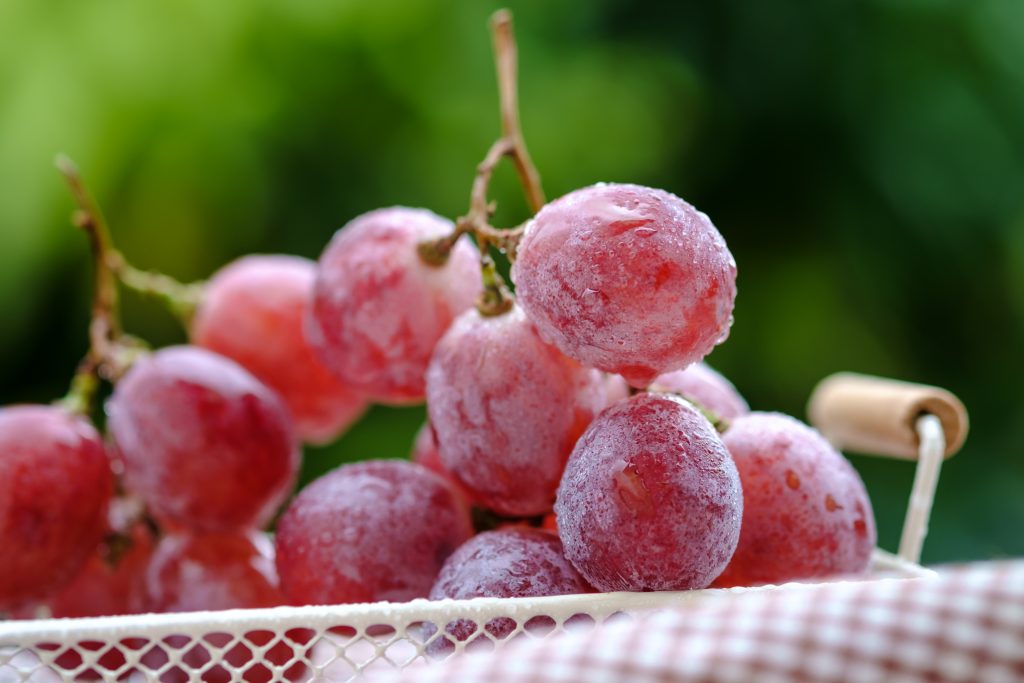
x: 496, y: 297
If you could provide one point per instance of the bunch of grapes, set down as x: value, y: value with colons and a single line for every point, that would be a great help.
x: 576, y: 441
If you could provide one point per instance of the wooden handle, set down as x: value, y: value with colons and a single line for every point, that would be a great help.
x: 879, y: 416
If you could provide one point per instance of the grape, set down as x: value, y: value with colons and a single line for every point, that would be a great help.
x: 806, y: 513
x: 650, y: 499
x: 378, y: 308
x: 217, y: 571
x: 707, y: 387
x: 212, y: 571
x: 203, y: 442
x: 112, y: 582
x: 507, y: 409
x: 252, y: 312
x: 424, y: 452
x: 55, y: 486
x: 369, y: 531
x: 507, y: 563
x: 626, y: 279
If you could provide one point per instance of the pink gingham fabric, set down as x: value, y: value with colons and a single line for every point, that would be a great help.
x: 965, y: 624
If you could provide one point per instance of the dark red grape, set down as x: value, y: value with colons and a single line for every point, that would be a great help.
x: 369, y: 531
x: 507, y: 409
x: 626, y: 279
x: 707, y: 387
x: 55, y: 486
x: 806, y: 513
x: 252, y: 312
x: 507, y: 563
x: 112, y: 582
x: 205, y: 444
x: 379, y: 308
x: 650, y: 499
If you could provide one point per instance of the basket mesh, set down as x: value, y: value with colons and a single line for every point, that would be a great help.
x: 317, y: 643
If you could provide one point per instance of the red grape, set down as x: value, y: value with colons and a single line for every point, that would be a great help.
x: 806, y: 513
x: 707, y: 387
x: 369, y: 531
x: 378, y: 308
x: 203, y: 443
x: 55, y: 485
x: 112, y: 582
x: 650, y: 499
x: 424, y: 452
x: 212, y: 571
x: 507, y: 563
x: 626, y: 279
x: 252, y: 312
x: 507, y: 409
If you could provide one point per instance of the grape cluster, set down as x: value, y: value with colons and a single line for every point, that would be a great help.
x: 575, y: 442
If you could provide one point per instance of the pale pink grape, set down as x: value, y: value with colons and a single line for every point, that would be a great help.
x: 252, y: 312
x: 507, y: 409
x: 626, y: 279
x: 378, y: 308
x: 650, y: 499
x: 369, y: 531
x: 192, y: 572
x: 707, y: 387
x: 204, y: 444
x: 806, y: 513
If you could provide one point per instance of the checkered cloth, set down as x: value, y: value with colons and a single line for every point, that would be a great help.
x: 966, y: 624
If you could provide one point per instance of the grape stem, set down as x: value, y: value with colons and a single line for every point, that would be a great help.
x: 181, y: 298
x: 111, y: 352
x: 496, y: 297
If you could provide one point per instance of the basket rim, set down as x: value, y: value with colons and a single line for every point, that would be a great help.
x: 284, y: 618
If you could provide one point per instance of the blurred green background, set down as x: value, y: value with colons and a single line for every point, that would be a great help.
x: 864, y: 160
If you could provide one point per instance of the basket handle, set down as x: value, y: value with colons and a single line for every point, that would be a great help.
x: 879, y: 416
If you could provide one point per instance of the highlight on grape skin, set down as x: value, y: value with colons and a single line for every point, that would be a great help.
x: 650, y: 499
x: 378, y: 308
x: 204, y: 443
x: 627, y: 279
x: 347, y: 537
x: 507, y: 409
x: 253, y: 311
x: 806, y: 512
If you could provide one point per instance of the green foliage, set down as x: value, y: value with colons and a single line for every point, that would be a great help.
x: 865, y: 161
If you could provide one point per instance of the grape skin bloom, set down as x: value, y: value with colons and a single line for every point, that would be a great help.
x: 204, y: 443
x: 252, y: 312
x: 369, y: 531
x: 378, y: 308
x: 806, y: 511
x: 507, y: 409
x: 627, y: 279
x: 506, y: 563
x: 650, y: 499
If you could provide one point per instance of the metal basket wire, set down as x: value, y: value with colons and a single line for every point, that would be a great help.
x: 340, y: 643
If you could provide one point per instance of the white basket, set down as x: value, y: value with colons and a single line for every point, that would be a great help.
x: 340, y: 643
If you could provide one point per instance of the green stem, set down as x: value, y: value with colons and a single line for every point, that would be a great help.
x: 181, y: 299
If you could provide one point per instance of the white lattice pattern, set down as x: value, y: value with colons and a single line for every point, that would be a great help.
x: 316, y: 643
